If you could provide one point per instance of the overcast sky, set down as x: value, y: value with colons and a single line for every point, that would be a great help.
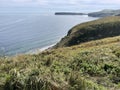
x: 57, y: 5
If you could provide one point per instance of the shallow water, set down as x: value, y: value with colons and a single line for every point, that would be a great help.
x: 23, y: 33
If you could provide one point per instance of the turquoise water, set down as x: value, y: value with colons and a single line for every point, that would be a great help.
x: 22, y: 33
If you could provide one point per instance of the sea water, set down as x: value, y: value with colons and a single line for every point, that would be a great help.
x: 23, y: 33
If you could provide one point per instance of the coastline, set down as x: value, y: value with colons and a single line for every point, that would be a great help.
x: 22, y: 44
x: 39, y: 50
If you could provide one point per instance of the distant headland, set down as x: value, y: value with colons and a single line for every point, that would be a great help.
x: 102, y: 13
x: 105, y: 13
x: 69, y: 13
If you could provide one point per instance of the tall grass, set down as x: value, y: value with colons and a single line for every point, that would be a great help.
x: 89, y: 66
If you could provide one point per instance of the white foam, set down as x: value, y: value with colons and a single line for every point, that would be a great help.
x: 36, y: 51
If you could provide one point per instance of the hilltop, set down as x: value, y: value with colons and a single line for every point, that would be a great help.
x: 93, y: 30
x: 104, y: 13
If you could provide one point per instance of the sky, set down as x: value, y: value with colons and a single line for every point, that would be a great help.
x: 57, y: 5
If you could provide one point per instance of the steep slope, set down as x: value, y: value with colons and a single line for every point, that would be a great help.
x: 98, y: 29
x: 90, y: 66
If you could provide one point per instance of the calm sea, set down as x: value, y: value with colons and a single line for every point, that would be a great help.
x: 23, y: 33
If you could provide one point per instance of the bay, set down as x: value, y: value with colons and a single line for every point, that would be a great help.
x: 23, y: 33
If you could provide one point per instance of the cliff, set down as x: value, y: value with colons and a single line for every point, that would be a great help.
x: 94, y: 30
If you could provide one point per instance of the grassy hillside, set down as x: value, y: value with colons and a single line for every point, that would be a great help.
x: 93, y: 30
x: 90, y: 66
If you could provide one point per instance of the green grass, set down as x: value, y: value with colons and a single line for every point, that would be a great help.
x: 89, y: 66
x: 93, y: 30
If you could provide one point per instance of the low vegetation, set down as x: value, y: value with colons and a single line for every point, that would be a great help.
x: 93, y: 65
x: 93, y: 30
x: 90, y: 66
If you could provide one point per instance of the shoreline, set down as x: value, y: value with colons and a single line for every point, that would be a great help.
x: 39, y: 50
